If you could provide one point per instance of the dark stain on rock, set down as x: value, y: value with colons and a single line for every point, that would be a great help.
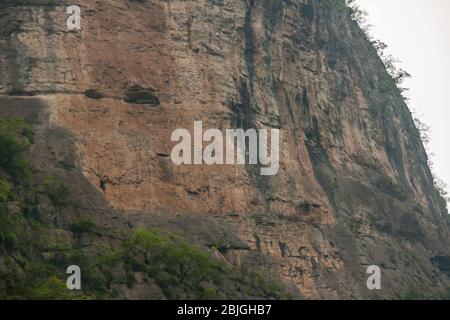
x: 242, y: 111
x: 442, y: 262
x: 283, y: 248
x: 307, y: 11
x: 139, y: 95
x: 249, y: 43
x: 93, y: 94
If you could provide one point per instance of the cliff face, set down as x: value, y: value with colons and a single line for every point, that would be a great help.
x: 353, y: 188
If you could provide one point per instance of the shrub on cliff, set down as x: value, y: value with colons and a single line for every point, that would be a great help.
x: 56, y: 190
x: 184, y: 270
x: 15, y: 138
x: 35, y: 251
x: 176, y: 265
x: 25, y: 272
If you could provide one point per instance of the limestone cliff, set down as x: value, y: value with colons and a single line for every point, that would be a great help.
x: 353, y: 188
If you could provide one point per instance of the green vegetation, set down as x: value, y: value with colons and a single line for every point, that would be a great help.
x: 36, y: 249
x: 441, y: 187
x: 15, y: 138
x: 396, y: 79
x: 418, y: 292
x: 83, y: 225
x: 56, y: 190
x: 178, y: 267
x: 397, y: 74
x: 55, y: 289
x: 355, y: 225
x: 183, y: 270
x: 14, y: 141
x: 30, y: 262
x: 24, y: 272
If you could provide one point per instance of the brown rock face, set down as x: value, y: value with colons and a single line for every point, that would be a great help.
x: 353, y: 188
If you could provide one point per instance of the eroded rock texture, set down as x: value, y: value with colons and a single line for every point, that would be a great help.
x: 353, y: 189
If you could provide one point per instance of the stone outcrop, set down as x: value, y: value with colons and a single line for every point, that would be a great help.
x: 353, y: 188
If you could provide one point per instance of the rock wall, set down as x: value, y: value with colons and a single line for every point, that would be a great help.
x: 353, y: 188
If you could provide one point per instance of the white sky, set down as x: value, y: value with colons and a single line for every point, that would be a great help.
x: 418, y: 33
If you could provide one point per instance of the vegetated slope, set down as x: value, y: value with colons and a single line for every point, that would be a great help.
x: 353, y: 189
x: 47, y: 225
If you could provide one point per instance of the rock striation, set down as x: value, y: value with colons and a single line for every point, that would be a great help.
x: 353, y: 190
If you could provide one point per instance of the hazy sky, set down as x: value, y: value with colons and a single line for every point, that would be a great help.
x: 418, y: 33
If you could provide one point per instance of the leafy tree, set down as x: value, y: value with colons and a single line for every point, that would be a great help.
x: 147, y: 243
x: 190, y: 263
x: 34, y: 253
x: 175, y: 264
x: 391, y: 63
x: 441, y: 187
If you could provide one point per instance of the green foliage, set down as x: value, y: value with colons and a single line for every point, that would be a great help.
x: 56, y: 190
x: 342, y: 6
x: 53, y: 288
x: 8, y: 239
x: 10, y: 222
x: 418, y: 292
x: 97, y: 268
x: 25, y: 272
x: 147, y: 243
x: 355, y: 225
x: 191, y: 264
x: 395, y: 79
x: 357, y: 14
x: 263, y: 282
x: 24, y: 278
x: 176, y: 265
x: 15, y: 139
x: 397, y: 74
x: 34, y: 253
x: 5, y: 190
x: 183, y: 270
x: 441, y: 187
x: 83, y: 225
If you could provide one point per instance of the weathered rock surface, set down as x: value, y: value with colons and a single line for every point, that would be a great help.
x: 353, y: 189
